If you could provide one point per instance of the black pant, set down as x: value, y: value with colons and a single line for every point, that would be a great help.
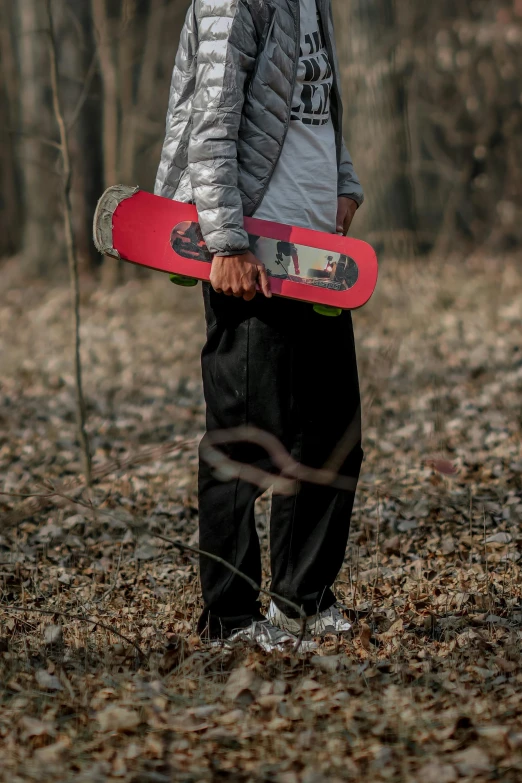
x: 279, y: 366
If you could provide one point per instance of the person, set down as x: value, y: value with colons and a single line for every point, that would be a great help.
x: 254, y: 127
x: 288, y: 250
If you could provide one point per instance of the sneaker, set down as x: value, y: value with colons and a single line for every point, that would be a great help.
x: 267, y: 636
x: 332, y: 620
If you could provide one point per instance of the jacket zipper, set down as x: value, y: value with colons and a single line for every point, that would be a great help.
x: 297, y: 28
x: 270, y: 27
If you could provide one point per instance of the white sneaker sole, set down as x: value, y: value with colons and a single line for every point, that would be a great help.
x: 307, y: 645
x: 314, y: 627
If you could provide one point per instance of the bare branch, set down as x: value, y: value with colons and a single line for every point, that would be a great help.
x: 77, y: 485
x: 110, y: 92
x: 81, y: 619
x: 72, y: 257
x: 85, y: 92
x: 34, y: 137
x: 142, y: 528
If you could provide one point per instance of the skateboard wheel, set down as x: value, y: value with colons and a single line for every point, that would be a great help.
x: 186, y: 282
x: 332, y: 312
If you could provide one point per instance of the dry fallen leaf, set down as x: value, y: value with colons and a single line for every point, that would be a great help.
x: 329, y: 663
x: 505, y: 665
x: 395, y: 629
x: 437, y: 772
x: 174, y: 655
x: 46, y: 681
x: 53, y: 634
x: 242, y: 686
x: 472, y: 761
x: 499, y: 538
x: 443, y: 466
x: 234, y: 717
x: 50, y: 754
x: 32, y: 727
x: 119, y: 767
x: 114, y: 718
x: 365, y: 634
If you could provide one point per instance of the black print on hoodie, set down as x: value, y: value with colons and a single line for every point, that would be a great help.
x: 312, y: 104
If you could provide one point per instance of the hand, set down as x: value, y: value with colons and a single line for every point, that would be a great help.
x: 238, y: 275
x: 346, y: 209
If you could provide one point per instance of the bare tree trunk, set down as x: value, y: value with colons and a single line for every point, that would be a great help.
x: 136, y: 105
x: 77, y: 65
x: 39, y: 245
x: 375, y: 117
x: 72, y: 257
x: 126, y: 63
x: 112, y: 271
x: 136, y: 94
x: 110, y: 92
x: 9, y: 196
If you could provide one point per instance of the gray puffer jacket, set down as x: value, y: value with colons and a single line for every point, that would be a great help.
x: 229, y: 111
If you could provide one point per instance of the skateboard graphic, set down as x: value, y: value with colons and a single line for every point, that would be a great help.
x: 332, y: 272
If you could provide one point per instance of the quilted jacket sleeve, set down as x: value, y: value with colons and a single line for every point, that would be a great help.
x: 349, y: 184
x: 227, y: 50
x: 173, y: 156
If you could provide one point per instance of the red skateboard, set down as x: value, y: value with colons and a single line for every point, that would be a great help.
x: 332, y: 272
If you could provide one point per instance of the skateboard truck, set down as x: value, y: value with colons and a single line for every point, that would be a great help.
x: 332, y: 312
x: 182, y: 280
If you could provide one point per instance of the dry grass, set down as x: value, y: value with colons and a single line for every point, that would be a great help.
x: 430, y: 686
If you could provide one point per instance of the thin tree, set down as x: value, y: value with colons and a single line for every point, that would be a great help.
x: 9, y: 212
x: 72, y: 257
x: 112, y: 272
x: 376, y: 120
x: 33, y: 120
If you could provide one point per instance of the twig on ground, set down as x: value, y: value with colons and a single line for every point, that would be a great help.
x: 114, y: 581
x: 81, y: 619
x: 237, y: 572
x: 102, y: 471
x: 291, y: 472
x: 200, y: 552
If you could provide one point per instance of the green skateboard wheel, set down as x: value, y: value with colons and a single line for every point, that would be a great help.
x: 186, y: 282
x: 332, y: 312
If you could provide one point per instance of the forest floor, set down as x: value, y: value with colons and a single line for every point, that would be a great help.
x: 429, y: 686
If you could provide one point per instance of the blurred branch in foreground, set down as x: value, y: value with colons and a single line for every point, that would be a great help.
x: 291, y: 471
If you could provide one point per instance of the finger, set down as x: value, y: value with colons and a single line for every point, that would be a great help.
x: 227, y: 291
x: 238, y: 294
x: 264, y: 282
x: 214, y: 282
x: 249, y: 295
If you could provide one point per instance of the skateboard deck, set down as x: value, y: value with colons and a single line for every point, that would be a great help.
x: 326, y: 270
